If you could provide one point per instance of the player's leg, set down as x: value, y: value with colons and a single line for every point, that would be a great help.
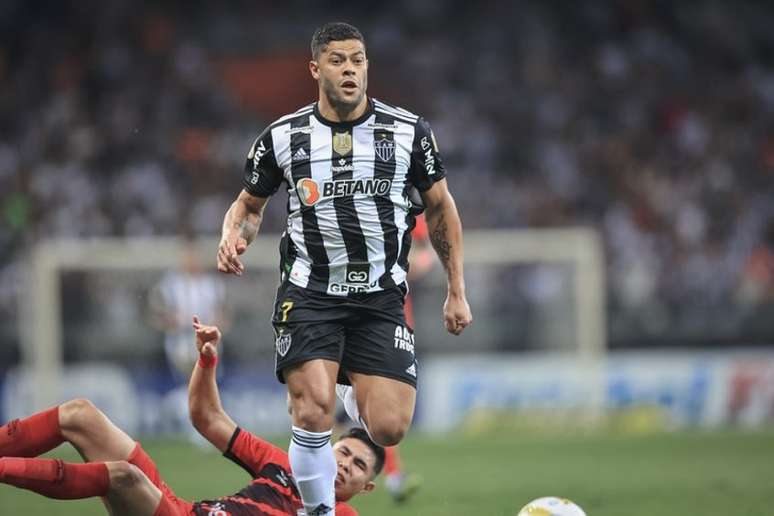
x: 309, y: 338
x: 385, y: 405
x: 131, y: 492
x: 77, y: 421
x: 392, y: 464
x: 380, y: 364
x: 126, y: 489
x: 31, y: 436
x: 399, y: 484
x: 90, y: 432
x: 312, y: 399
x: 55, y: 478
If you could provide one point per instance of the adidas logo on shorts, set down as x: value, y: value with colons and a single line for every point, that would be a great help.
x: 412, y: 370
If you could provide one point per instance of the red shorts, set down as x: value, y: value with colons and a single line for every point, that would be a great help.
x: 170, y: 504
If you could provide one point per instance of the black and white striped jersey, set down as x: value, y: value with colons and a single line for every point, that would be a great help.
x: 350, y: 212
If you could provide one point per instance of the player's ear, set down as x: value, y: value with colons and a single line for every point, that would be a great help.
x: 370, y: 486
x: 314, y: 69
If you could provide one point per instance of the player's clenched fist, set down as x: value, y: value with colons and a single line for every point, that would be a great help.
x: 456, y: 314
x: 228, y: 255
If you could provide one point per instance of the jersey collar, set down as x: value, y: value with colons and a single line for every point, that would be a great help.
x: 349, y: 123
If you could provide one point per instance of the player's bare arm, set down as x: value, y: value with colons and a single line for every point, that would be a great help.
x: 445, y: 228
x: 240, y: 226
x: 204, y: 406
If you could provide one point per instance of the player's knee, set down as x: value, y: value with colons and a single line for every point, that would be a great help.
x: 76, y: 414
x: 315, y: 417
x: 124, y: 475
x: 388, y: 429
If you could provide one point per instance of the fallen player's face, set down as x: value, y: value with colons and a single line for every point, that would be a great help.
x: 343, y: 71
x: 355, y: 462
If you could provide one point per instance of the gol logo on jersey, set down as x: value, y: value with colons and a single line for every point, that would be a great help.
x: 310, y: 192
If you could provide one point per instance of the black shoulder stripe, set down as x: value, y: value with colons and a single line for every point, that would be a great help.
x: 229, y: 454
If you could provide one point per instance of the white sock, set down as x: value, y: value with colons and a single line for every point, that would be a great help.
x: 314, y: 468
x: 347, y: 396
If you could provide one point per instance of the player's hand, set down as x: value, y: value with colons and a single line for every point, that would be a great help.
x: 456, y: 314
x: 230, y: 248
x: 207, y: 338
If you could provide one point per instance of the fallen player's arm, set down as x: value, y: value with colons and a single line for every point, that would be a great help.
x: 204, y: 406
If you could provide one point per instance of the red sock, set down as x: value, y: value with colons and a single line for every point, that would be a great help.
x: 391, y: 461
x: 31, y: 436
x: 56, y: 479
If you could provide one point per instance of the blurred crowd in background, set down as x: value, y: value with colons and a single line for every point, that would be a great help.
x: 652, y: 121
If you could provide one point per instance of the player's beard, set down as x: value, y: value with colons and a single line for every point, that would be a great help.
x: 340, y: 103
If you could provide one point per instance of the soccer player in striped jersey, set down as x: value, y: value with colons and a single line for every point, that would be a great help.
x: 118, y: 469
x: 356, y: 171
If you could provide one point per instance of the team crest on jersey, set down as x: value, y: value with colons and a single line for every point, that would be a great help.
x: 308, y: 191
x: 385, y: 148
x: 342, y: 143
x: 283, y: 343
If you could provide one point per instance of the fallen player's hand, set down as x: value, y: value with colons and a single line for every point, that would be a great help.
x: 207, y: 338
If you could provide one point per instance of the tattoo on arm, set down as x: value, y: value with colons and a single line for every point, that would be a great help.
x: 440, y: 240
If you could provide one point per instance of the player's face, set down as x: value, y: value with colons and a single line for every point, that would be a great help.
x: 355, y: 462
x: 342, y: 72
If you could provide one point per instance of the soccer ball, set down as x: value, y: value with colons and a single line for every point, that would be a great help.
x: 551, y: 506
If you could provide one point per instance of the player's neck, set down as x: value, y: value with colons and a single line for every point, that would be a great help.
x: 331, y: 113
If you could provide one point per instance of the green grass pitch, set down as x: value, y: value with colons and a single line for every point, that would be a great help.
x: 678, y: 474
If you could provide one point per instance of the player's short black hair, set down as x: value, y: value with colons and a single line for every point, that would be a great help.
x: 361, y: 435
x: 334, y: 31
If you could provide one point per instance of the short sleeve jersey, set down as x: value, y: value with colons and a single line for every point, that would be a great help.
x: 350, y: 188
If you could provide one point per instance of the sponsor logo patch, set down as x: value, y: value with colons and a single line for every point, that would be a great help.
x: 344, y: 288
x: 256, y: 153
x: 308, y: 192
x: 347, y: 187
x: 404, y: 339
x: 358, y: 272
x: 343, y: 166
x: 387, y: 127
x: 307, y: 129
x: 429, y: 158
